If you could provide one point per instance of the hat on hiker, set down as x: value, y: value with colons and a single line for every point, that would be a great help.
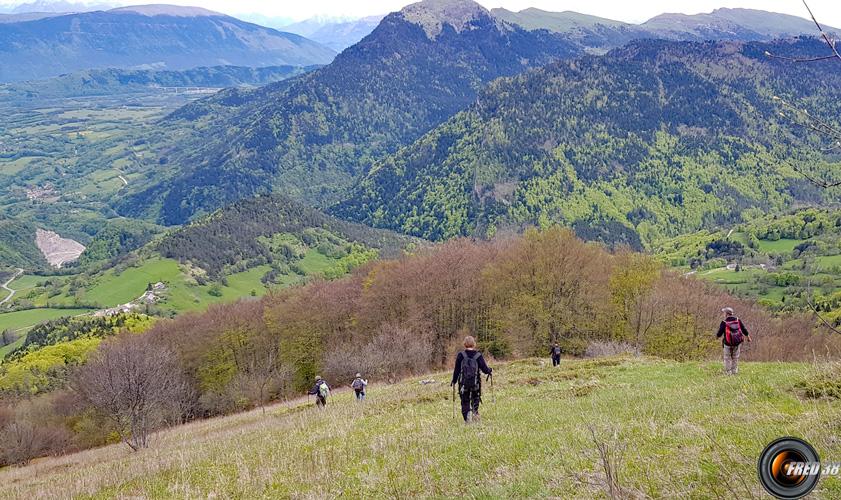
x: 358, y: 375
x: 728, y: 310
x: 317, y: 377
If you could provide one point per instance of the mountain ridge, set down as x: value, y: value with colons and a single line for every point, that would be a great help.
x: 54, y: 45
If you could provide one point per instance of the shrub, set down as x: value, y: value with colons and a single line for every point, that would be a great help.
x: 823, y: 382
x: 599, y: 349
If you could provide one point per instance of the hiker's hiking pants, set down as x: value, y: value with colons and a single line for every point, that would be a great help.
x: 360, y: 395
x: 320, y: 401
x: 470, y: 399
x: 731, y: 359
x: 556, y: 360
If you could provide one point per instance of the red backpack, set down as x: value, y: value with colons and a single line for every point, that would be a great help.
x: 733, y: 335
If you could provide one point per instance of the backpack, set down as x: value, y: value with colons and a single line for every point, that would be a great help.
x: 358, y: 385
x: 733, y: 333
x: 556, y: 351
x: 469, y: 371
x: 324, y: 390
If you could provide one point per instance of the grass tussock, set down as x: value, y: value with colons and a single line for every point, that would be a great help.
x: 824, y: 381
x: 627, y: 428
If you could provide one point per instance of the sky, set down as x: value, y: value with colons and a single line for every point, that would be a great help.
x: 827, y: 11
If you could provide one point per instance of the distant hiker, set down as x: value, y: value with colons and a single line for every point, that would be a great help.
x: 555, y: 351
x: 732, y: 333
x: 358, y: 385
x: 321, y: 390
x: 469, y: 363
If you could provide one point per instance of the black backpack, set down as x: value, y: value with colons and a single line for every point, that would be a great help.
x: 556, y: 351
x: 470, y: 370
x: 358, y: 385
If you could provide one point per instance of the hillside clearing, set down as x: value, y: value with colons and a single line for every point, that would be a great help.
x: 686, y: 432
x: 18, y: 320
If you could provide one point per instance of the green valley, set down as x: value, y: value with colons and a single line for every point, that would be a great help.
x: 242, y: 251
x: 784, y: 261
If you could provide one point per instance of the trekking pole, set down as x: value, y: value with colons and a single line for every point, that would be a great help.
x: 454, y: 400
x: 493, y: 394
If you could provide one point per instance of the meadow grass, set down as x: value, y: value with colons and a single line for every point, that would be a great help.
x: 783, y: 246
x: 677, y: 430
x: 113, y: 289
x: 30, y: 317
x: 28, y: 282
x: 14, y: 345
x: 828, y: 261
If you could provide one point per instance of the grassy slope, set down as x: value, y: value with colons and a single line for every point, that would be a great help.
x: 689, y: 433
x: 11, y: 347
x: 22, y: 319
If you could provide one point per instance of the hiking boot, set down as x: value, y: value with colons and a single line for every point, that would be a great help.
x: 476, y: 417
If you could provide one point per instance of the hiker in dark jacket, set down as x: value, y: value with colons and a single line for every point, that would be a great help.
x: 555, y: 352
x: 358, y: 385
x: 732, y: 333
x: 321, y: 390
x: 469, y: 363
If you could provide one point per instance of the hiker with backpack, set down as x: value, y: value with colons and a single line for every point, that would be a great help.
x: 732, y: 333
x: 555, y: 351
x: 358, y: 385
x: 469, y: 364
x: 321, y: 390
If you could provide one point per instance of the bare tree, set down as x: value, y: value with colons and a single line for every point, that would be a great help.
x: 263, y: 364
x: 136, y: 384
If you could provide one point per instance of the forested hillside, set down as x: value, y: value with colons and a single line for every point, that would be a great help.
x: 260, y: 230
x: 244, y: 250
x: 311, y: 137
x: 17, y: 245
x: 654, y: 139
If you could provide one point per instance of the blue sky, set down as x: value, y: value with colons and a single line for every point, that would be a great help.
x: 828, y: 11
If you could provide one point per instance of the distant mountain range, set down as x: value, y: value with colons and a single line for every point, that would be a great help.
x: 146, y: 37
x: 59, y: 6
x: 592, y: 32
x: 338, y: 35
x: 600, y: 34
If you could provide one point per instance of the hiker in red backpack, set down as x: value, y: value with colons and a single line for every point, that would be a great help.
x: 732, y: 333
x: 469, y: 363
